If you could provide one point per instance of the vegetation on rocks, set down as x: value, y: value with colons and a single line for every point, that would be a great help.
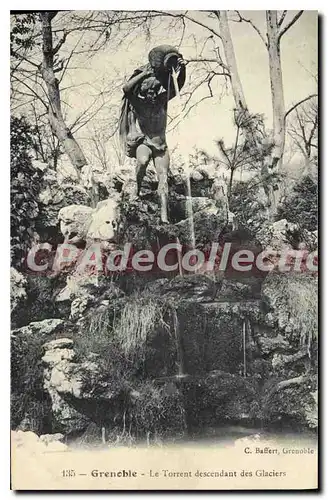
x: 131, y: 356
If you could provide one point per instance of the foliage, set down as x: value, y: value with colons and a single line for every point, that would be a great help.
x: 17, y: 288
x: 301, y: 207
x: 26, y: 375
x: 252, y: 144
x: 140, y: 316
x: 252, y: 147
x: 293, y: 300
x: 284, y: 406
x: 247, y: 205
x: 24, y: 189
x: 158, y: 411
x: 21, y: 32
x: 40, y: 303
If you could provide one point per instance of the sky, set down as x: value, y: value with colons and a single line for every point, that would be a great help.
x: 212, y: 119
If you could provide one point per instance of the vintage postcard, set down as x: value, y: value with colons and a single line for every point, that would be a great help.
x: 164, y: 264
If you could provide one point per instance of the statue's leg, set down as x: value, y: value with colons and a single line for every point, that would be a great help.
x: 143, y: 155
x: 162, y: 163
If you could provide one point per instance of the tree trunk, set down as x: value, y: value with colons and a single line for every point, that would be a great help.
x: 277, y: 92
x: 232, y: 171
x: 56, y: 119
x: 230, y: 57
x: 278, y: 103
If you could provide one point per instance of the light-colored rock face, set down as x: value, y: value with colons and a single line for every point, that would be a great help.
x: 62, y: 377
x: 74, y: 222
x: 66, y: 171
x: 275, y: 236
x: 30, y: 442
x: 292, y: 302
x: 45, y: 327
x: 50, y: 438
x: 202, y: 203
x: 57, y: 351
x: 79, y: 223
x: 17, y: 288
x: 62, y: 373
x: 103, y: 222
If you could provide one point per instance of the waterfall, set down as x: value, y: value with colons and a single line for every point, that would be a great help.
x: 190, y: 213
x: 178, y: 340
x: 179, y: 258
x: 189, y: 209
x: 244, y: 348
x: 181, y: 365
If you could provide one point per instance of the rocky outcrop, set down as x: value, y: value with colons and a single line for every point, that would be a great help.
x: 39, y: 329
x: 31, y: 442
x: 63, y: 377
x: 291, y: 300
x: 18, y: 284
x: 74, y: 222
x: 57, y: 191
x: 104, y: 221
x: 79, y: 223
x: 145, y: 354
x: 278, y: 236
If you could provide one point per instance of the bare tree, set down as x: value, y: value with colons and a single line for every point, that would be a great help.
x: 250, y: 150
x: 56, y: 118
x: 276, y: 27
x: 39, y: 64
x: 213, y: 67
x: 303, y: 128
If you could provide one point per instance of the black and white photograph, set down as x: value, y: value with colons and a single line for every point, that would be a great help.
x: 164, y: 249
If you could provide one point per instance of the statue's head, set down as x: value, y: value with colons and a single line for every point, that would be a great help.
x: 150, y: 88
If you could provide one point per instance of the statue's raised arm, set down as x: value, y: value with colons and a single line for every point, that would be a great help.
x: 144, y: 114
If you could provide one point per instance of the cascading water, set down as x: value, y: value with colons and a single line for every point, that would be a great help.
x: 190, y: 212
x: 244, y: 348
x: 189, y: 209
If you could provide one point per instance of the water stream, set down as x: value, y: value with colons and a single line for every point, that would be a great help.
x: 189, y: 210
x: 244, y: 349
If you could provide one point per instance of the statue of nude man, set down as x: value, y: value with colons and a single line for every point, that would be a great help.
x: 147, y: 102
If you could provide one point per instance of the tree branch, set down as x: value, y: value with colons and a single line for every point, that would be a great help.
x: 186, y: 16
x: 299, y: 103
x: 60, y: 43
x: 241, y: 18
x: 283, y: 15
x: 31, y: 90
x: 290, y: 24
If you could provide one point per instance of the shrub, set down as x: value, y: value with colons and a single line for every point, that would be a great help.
x: 158, y: 411
x: 24, y: 189
x: 250, y: 211
x: 301, y: 207
x: 27, y: 380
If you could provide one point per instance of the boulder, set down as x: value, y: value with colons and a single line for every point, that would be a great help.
x: 18, y: 284
x: 199, y: 204
x: 27, y: 440
x: 57, y: 193
x: 74, y: 222
x: 78, y: 307
x: 32, y: 443
x: 292, y: 305
x: 278, y: 236
x: 104, y: 220
x: 79, y: 223
x: 62, y: 377
x: 40, y: 328
x: 51, y: 438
